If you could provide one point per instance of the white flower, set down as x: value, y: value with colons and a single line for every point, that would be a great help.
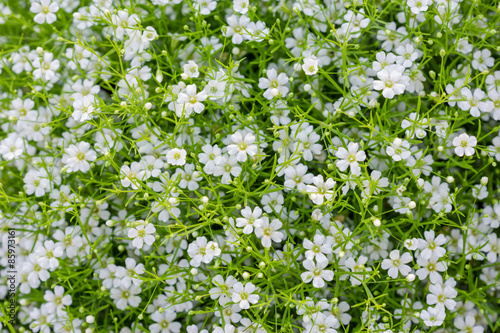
x: 45, y: 67
x: 463, y: 46
x: 392, y: 81
x: 202, y: 251
x: 83, y: 108
x: 416, y: 126
x: 124, y: 296
x: 56, y: 301
x: 142, y: 234
x: 321, y: 189
x: 433, y: 316
x: 215, y: 89
x: 467, y: 324
x: 227, y: 167
x: 431, y: 245
x: 164, y: 322
x: 396, y: 264
x: 124, y: 23
x: 243, y: 295
x: 357, y: 267
x: 269, y: 231
x: 211, y: 157
x: 483, y: 60
x: 47, y: 254
x: 374, y: 184
x: 321, y: 322
x: 464, y: 144
x: 411, y: 244
x: 228, y: 328
x: 44, y: 11
x: 152, y: 166
x: 242, y: 146
x: 383, y: 60
x: 188, y: 177
x: 237, y: 28
x: 130, y: 272
x: 417, y: 6
x: 474, y: 102
x: 36, y: 182
x: 318, y: 248
x: 222, y: 289
x: 492, y: 249
x: 77, y: 158
x: 349, y: 158
x: 399, y: 149
x: 11, y: 147
x: 176, y: 156
x: 274, y: 82
x: 149, y: 34
x: 310, y: 66
x: 442, y: 295
x: 190, y: 101
x: 406, y: 55
x: 205, y: 6
x: 131, y: 174
x: 316, y: 273
x: 241, y: 6
x: 297, y: 177
x: 191, y: 70
x: 430, y: 267
x: 251, y: 219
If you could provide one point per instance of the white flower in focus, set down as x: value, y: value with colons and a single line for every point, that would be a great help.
x: 474, y: 102
x: 433, y: 316
x: 77, y: 157
x: 269, y: 231
x: 310, y: 66
x: 318, y: 248
x: 176, y: 156
x: 316, y: 273
x: 45, y: 67
x: 397, y: 263
x: 242, y: 146
x: 243, y: 295
x: 47, y: 254
x: 57, y: 301
x: 124, y: 296
x: 274, y: 82
x: 191, y: 70
x: 202, y: 251
x: 142, y: 234
x: 350, y: 157
x: 391, y: 81
x: 236, y: 28
x: 320, y: 189
x: 190, y: 101
x: 251, y: 219
x: 399, y: 149
x: 44, y: 10
x: 464, y: 144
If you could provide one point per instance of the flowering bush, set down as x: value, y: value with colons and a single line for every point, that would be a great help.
x: 250, y: 166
